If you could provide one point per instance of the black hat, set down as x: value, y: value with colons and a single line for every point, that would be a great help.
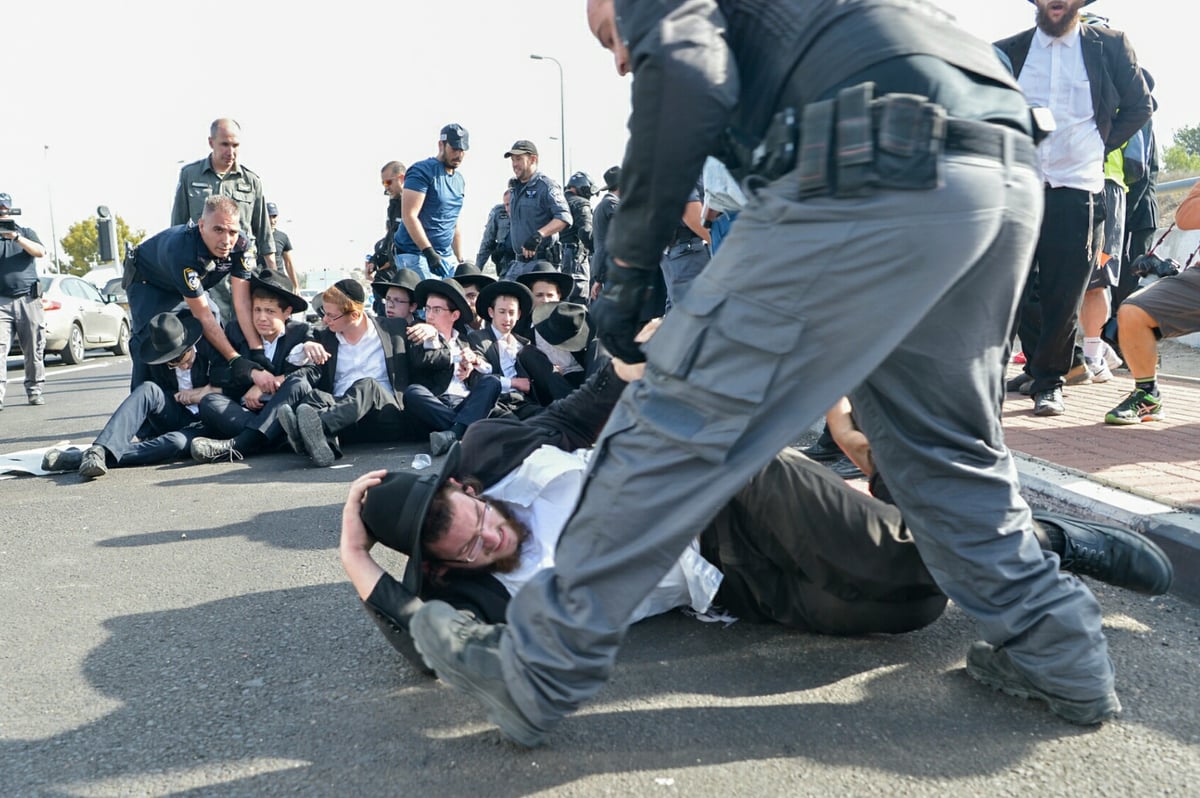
x: 352, y: 289
x: 168, y: 336
x: 488, y: 294
x: 401, y: 278
x: 545, y: 270
x: 449, y: 288
x: 1085, y: 2
x: 468, y: 273
x: 612, y: 177
x: 394, y: 511
x: 5, y: 199
x: 456, y: 136
x: 563, y: 325
x: 272, y: 209
x: 521, y: 146
x: 279, y: 285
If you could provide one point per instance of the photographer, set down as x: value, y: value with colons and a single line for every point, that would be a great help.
x: 1167, y: 308
x: 20, y: 303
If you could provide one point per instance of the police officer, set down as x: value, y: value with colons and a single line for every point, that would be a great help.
x: 175, y: 267
x: 221, y: 174
x: 496, y: 244
x: 381, y: 263
x: 20, y: 308
x: 577, y: 238
x: 915, y: 188
x: 537, y: 211
x: 605, y: 208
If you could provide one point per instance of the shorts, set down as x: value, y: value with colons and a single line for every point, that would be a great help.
x: 1173, y: 303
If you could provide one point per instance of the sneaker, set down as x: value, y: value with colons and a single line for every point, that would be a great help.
x: 1078, y: 375
x: 312, y: 432
x: 993, y: 667
x: 1111, y: 358
x: 466, y: 654
x: 291, y: 428
x: 1116, y: 556
x: 62, y: 460
x: 1019, y: 384
x: 94, y: 462
x: 1137, y: 407
x: 440, y: 442
x: 210, y: 450
x: 1049, y: 403
x: 36, y: 399
x: 1099, y: 369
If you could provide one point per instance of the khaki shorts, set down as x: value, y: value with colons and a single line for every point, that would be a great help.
x: 1173, y: 303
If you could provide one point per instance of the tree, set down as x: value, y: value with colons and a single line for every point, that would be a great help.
x: 1188, y: 138
x: 82, y: 243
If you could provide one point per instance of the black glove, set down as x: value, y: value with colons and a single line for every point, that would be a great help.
x: 533, y: 242
x: 618, y: 310
x: 240, y: 367
x: 434, y: 260
x: 260, y: 359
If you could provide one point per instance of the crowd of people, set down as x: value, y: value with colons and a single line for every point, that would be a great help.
x: 682, y: 332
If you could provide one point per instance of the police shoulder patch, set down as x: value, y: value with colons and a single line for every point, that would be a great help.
x: 192, y: 278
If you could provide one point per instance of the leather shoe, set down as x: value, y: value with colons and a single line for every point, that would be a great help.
x: 1049, y: 403
x: 1116, y: 556
x: 94, y: 462
x: 62, y: 460
x: 312, y: 431
x: 466, y: 654
x: 992, y: 666
x: 291, y: 428
x: 210, y: 450
x: 1019, y: 384
x: 440, y: 442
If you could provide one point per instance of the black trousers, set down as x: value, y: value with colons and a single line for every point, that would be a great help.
x: 226, y: 418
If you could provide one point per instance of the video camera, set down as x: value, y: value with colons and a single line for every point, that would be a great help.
x: 10, y: 225
x: 1151, y: 265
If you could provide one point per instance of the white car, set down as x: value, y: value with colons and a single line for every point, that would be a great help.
x: 79, y: 318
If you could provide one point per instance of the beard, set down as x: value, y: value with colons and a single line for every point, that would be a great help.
x: 507, y: 565
x: 1069, y: 20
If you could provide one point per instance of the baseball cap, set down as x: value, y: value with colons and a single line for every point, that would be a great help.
x: 456, y: 136
x: 521, y: 146
x: 272, y: 209
x: 5, y: 199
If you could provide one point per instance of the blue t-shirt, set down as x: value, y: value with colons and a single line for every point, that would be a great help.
x: 439, y: 214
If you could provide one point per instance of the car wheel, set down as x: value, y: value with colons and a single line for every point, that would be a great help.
x: 122, y: 347
x: 72, y: 353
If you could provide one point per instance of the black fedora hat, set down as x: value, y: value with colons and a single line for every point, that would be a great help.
x: 563, y: 325
x: 394, y: 511
x: 545, y: 270
x: 168, y: 336
x: 281, y: 286
x: 400, y: 278
x: 488, y: 294
x: 449, y: 288
x: 468, y: 273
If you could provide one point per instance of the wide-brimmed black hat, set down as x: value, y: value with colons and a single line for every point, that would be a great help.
x: 1085, y: 2
x: 612, y: 177
x: 449, y: 288
x: 168, y: 336
x: 488, y: 294
x: 468, y: 273
x: 281, y: 286
x: 563, y: 325
x: 394, y: 511
x: 400, y: 278
x: 544, y: 270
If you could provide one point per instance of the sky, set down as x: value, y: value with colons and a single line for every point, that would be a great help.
x: 114, y: 98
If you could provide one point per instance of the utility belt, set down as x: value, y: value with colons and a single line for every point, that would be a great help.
x: 679, y: 247
x: 857, y: 144
x: 548, y: 252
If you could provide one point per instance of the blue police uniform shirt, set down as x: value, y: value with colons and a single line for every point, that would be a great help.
x: 18, y: 269
x: 439, y: 213
x: 177, y: 260
x: 532, y: 205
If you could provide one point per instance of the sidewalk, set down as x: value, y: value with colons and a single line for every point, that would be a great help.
x: 1145, y: 476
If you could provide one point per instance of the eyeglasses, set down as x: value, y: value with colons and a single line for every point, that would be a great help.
x: 436, y: 309
x: 474, y: 547
x: 324, y: 315
x: 394, y: 301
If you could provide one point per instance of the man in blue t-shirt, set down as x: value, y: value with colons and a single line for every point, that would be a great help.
x: 428, y: 241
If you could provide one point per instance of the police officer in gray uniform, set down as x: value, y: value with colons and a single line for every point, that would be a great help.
x: 890, y: 164
x: 577, y: 238
x: 221, y: 174
x: 537, y: 211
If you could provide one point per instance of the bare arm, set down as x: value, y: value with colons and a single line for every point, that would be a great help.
x: 410, y: 206
x: 208, y: 324
x: 356, y: 543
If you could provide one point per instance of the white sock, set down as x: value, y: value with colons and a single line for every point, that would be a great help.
x: 1091, y: 347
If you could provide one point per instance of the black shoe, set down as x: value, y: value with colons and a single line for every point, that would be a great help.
x: 291, y: 428
x: 94, y: 462
x: 210, y: 450
x: 1078, y: 375
x: 466, y: 654
x: 845, y: 468
x: 1113, y: 555
x: 62, y: 460
x: 823, y: 452
x: 1049, y: 403
x: 440, y: 442
x: 993, y: 667
x: 312, y: 432
x: 1019, y: 384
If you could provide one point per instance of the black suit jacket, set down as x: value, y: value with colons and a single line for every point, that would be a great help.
x: 392, y: 334
x: 434, y: 368
x: 294, y: 333
x: 207, y: 369
x: 1120, y: 97
x: 484, y: 342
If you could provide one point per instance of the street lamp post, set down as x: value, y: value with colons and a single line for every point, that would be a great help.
x: 562, y: 112
x: 50, y: 200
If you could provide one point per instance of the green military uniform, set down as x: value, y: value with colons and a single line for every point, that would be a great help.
x: 197, y: 182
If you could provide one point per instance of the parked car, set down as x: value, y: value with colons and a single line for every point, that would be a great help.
x: 313, y: 297
x: 113, y: 292
x: 79, y: 318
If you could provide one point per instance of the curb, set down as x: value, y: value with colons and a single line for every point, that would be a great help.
x: 1177, y: 531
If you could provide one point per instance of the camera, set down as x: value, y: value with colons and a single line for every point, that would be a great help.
x: 1150, y: 265
x: 8, y: 225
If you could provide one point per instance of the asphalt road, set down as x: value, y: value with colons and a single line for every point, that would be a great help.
x: 186, y: 630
